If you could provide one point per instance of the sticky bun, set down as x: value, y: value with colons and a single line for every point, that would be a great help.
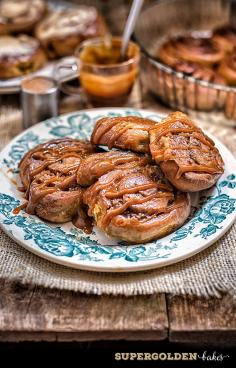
x: 20, y: 16
x: 132, y: 201
x: 203, y: 51
x: 187, y: 93
x: 48, y: 175
x: 62, y: 31
x: 187, y: 157
x: 20, y: 55
x: 129, y: 133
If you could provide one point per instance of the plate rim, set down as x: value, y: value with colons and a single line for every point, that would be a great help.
x: 131, y: 267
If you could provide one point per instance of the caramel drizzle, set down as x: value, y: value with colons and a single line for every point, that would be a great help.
x: 41, y: 190
x: 138, y: 188
x: 191, y: 131
x: 115, y: 134
x: 112, y: 212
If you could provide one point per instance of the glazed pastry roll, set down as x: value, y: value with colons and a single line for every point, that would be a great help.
x: 48, y: 175
x: 20, y: 55
x: 187, y: 157
x: 20, y: 16
x: 136, y: 204
x: 129, y: 133
x: 202, y: 51
x: 63, y: 30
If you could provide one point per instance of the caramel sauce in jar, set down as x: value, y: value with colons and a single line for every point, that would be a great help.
x: 103, y: 73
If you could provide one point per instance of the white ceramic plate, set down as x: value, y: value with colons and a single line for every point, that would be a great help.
x: 213, y: 211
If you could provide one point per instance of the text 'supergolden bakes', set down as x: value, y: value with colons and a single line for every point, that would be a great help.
x: 133, y: 201
x: 20, y: 55
x: 20, y: 15
x: 187, y: 157
x: 48, y: 174
x: 130, y: 132
x: 62, y: 31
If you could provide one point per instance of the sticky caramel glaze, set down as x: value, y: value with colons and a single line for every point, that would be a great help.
x: 170, y: 127
x: 39, y: 158
x: 130, y: 132
x: 48, y: 173
x: 96, y: 165
x: 129, y: 204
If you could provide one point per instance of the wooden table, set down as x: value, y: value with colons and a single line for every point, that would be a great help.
x: 31, y: 313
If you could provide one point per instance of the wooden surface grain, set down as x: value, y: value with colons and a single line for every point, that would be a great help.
x: 33, y: 313
x: 30, y: 313
x: 195, y: 320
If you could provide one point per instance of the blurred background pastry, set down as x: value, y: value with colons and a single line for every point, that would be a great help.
x: 62, y: 31
x: 203, y: 51
x: 225, y: 37
x: 20, y: 55
x: 20, y: 15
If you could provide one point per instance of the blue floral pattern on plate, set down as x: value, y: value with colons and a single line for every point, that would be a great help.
x: 211, y: 213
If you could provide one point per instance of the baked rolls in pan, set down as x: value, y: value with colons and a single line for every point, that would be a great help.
x: 186, y: 92
x: 204, y: 51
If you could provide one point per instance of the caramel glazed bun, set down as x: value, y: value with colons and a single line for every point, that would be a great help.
x: 130, y: 199
x: 204, y: 51
x: 187, y: 157
x: 20, y: 15
x: 20, y: 55
x: 48, y: 175
x: 62, y: 31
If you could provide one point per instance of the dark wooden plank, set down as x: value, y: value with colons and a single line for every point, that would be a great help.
x: 195, y: 320
x: 33, y: 313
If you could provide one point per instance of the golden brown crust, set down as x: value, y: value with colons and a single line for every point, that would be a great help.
x: 20, y: 16
x: 129, y: 132
x: 136, y: 204
x: 62, y: 31
x: 203, y: 51
x: 20, y: 55
x: 187, y: 157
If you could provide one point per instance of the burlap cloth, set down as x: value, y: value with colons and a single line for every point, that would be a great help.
x: 209, y: 273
